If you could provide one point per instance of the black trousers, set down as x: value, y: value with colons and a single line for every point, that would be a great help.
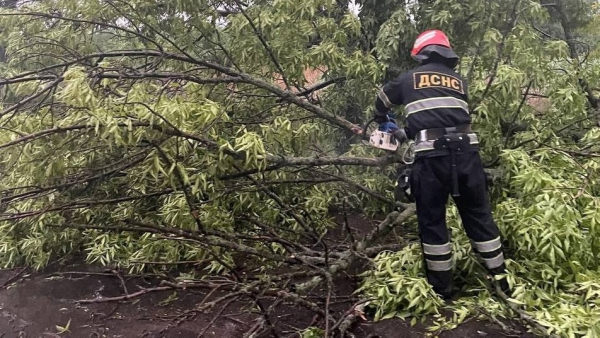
x: 431, y: 183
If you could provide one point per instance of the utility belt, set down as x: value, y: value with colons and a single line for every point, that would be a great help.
x: 431, y: 139
x: 453, y: 139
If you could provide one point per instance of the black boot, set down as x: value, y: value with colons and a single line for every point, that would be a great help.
x: 502, y: 283
x: 446, y: 293
x: 504, y: 287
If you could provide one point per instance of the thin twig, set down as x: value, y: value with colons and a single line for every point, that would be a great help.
x: 123, y: 284
x: 31, y: 97
x: 347, y: 226
x: 217, y: 315
x: 209, y: 294
x: 516, y: 114
x: 265, y: 44
x: 321, y: 86
x: 523, y: 315
x: 172, y: 263
x: 266, y: 316
x: 354, y: 309
x: 14, y: 277
x: 510, y: 25
x: 256, y: 329
x: 382, y: 229
x: 124, y: 297
x: 327, y: 304
x: 357, y: 312
x: 504, y: 327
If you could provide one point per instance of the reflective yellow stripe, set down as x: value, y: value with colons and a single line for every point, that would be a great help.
x: 432, y: 249
x: 440, y: 265
x: 384, y: 98
x: 436, y: 102
x: 492, y: 263
x: 488, y: 246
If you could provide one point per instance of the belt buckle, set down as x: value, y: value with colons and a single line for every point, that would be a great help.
x: 422, y: 135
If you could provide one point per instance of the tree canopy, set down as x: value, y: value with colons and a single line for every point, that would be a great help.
x: 140, y: 131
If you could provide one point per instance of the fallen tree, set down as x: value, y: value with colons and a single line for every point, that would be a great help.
x: 151, y: 134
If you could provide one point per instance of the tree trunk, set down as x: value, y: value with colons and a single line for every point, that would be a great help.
x: 569, y: 39
x: 6, y: 4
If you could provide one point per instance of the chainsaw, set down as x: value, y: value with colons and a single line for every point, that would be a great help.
x: 387, y: 137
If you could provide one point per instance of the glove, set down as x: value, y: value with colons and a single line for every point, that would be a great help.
x: 388, y: 126
x: 400, y: 135
x: 387, y: 117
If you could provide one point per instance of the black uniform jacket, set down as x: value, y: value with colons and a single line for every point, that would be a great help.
x: 434, y: 96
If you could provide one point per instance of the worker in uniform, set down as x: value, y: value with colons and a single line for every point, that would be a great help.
x: 446, y: 158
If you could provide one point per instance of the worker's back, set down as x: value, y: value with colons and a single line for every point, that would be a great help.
x: 434, y: 95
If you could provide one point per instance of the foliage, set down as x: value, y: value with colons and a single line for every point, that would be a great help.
x: 553, y: 266
x: 398, y: 286
x: 118, y: 146
x: 142, y: 133
x: 311, y: 332
x: 547, y: 209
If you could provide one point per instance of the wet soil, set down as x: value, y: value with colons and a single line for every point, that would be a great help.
x: 44, y: 304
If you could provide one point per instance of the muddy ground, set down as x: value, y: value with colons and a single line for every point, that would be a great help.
x: 45, y: 304
x: 35, y: 305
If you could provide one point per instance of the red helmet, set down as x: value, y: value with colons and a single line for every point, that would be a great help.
x: 429, y: 38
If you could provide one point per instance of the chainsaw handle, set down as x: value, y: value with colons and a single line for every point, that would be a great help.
x: 364, y: 132
x: 398, y: 133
